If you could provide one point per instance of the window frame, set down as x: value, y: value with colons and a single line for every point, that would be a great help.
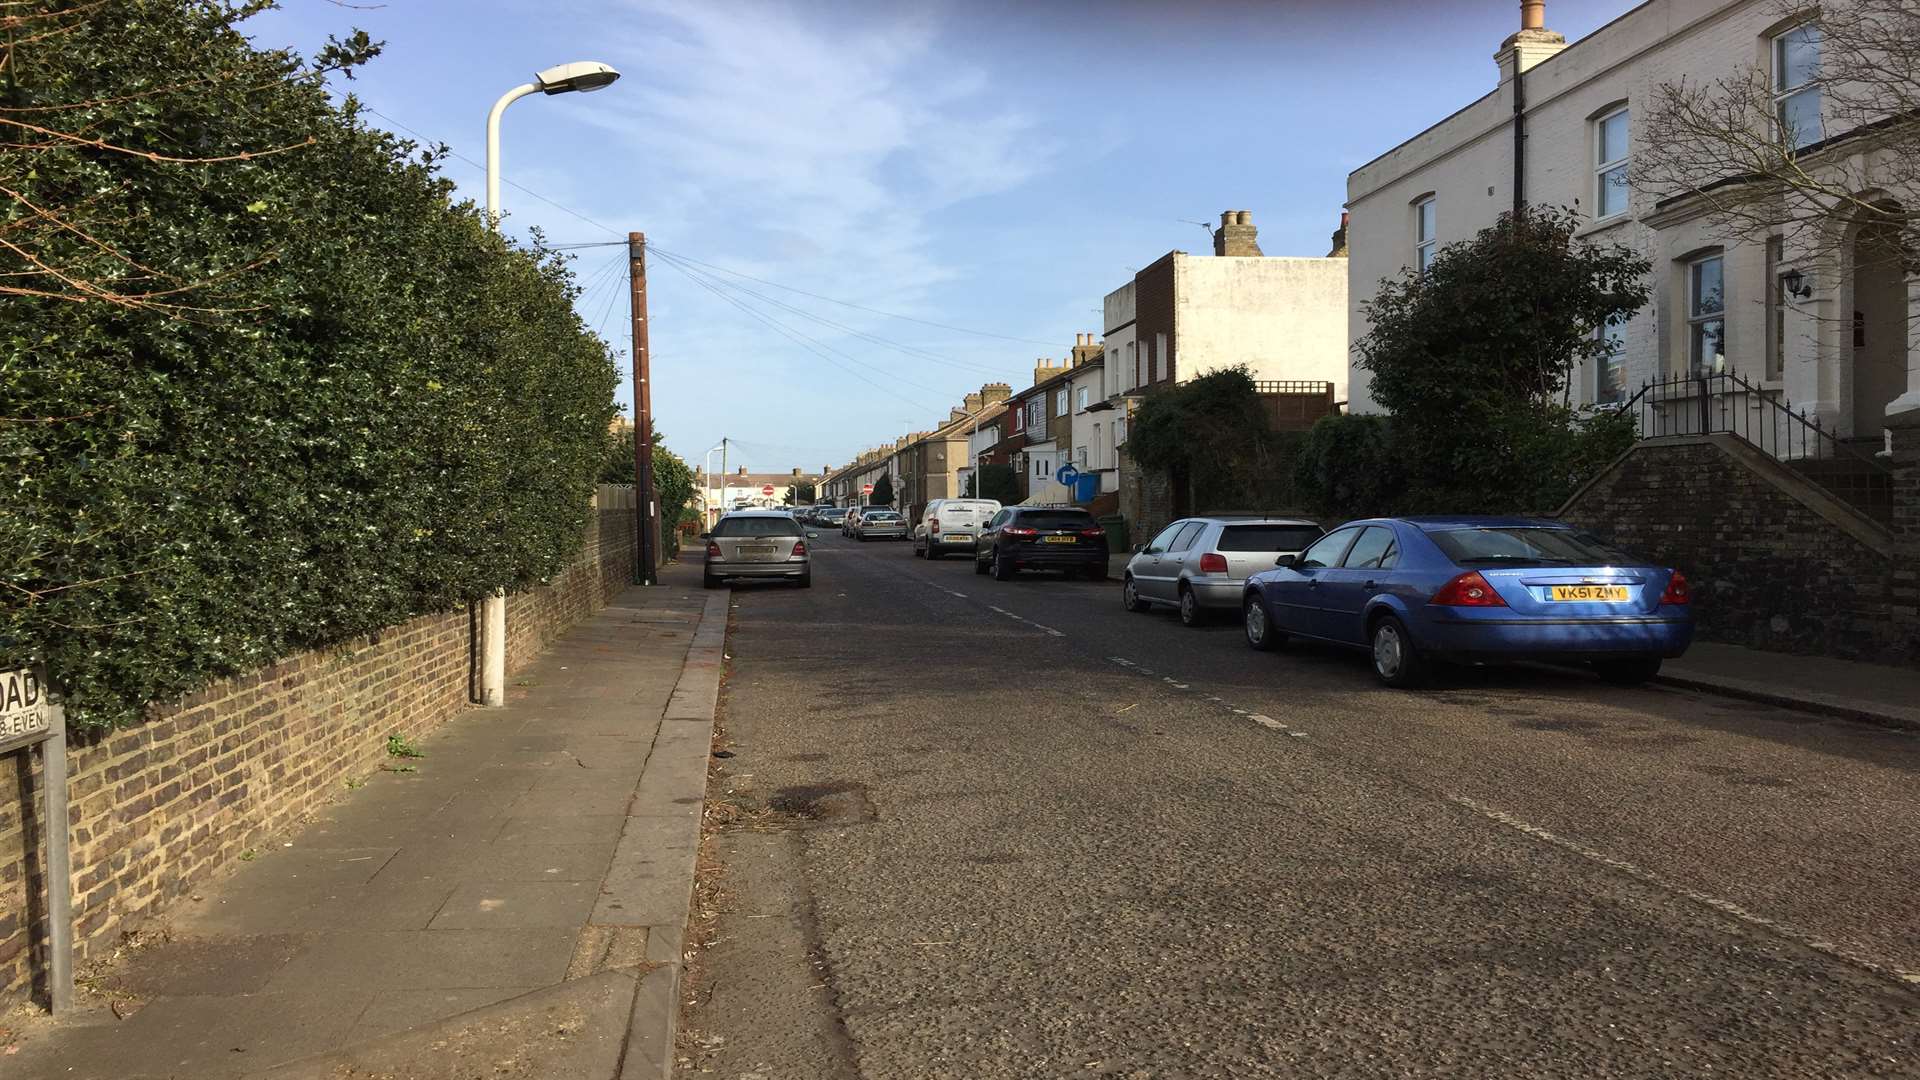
x: 1426, y: 233
x: 1603, y: 167
x: 1613, y: 360
x: 1697, y: 320
x: 1081, y: 397
x: 1189, y: 534
x: 1060, y: 401
x: 1389, y: 555
x: 1783, y: 94
x: 1350, y: 532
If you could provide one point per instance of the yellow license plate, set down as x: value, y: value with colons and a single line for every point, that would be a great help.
x: 1605, y: 594
x: 1062, y: 539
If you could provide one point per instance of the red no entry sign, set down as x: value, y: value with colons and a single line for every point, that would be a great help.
x: 766, y: 489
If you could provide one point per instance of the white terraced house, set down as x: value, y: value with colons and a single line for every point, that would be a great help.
x: 1802, y: 308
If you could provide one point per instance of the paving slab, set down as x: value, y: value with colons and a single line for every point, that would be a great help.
x: 430, y: 920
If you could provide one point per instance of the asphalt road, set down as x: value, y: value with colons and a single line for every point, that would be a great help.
x: 988, y: 829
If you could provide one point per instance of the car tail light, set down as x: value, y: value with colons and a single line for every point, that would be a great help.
x: 799, y: 547
x: 713, y: 549
x: 1678, y: 591
x: 1020, y: 530
x: 1468, y: 590
x: 933, y: 525
x: 1095, y: 531
x: 1213, y: 563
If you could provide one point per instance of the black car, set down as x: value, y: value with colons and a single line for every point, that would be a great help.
x: 1042, y: 538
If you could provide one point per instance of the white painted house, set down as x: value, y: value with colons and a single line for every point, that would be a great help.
x: 1720, y: 303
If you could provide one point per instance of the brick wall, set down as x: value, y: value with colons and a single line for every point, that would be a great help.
x: 1773, y: 562
x: 1154, y: 299
x: 159, y: 809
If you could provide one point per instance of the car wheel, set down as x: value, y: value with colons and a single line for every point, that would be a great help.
x: 1002, y: 569
x: 1396, y: 660
x: 1260, y: 632
x: 1191, y: 613
x: 1130, y: 596
x: 979, y: 564
x: 805, y: 580
x: 1630, y: 672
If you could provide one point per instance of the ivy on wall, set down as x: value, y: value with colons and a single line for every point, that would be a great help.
x: 263, y: 386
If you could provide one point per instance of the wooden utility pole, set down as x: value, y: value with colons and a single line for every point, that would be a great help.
x: 646, y: 513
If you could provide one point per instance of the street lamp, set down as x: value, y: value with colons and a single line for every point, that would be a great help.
x: 584, y: 76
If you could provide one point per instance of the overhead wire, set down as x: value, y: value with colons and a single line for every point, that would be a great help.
x: 851, y: 331
x: 805, y: 342
x: 851, y: 304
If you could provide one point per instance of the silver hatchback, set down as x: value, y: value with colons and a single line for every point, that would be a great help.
x: 877, y: 524
x: 1201, y: 564
x: 758, y: 544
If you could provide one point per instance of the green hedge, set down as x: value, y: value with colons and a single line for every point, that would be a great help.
x: 301, y: 395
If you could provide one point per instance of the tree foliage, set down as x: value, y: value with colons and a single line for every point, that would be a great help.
x: 262, y: 387
x: 996, y: 482
x: 674, y: 483
x: 1214, y: 440
x: 882, y: 491
x: 1474, y: 360
x: 801, y: 493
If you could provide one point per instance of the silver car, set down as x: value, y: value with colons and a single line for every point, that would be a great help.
x: 1201, y: 564
x: 878, y: 524
x: 758, y: 544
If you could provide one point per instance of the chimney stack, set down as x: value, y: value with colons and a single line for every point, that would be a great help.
x: 1531, y: 44
x: 743, y: 470
x: 1043, y: 370
x: 1340, y: 239
x: 995, y: 392
x: 1236, y: 235
x: 796, y: 472
x: 1086, y: 348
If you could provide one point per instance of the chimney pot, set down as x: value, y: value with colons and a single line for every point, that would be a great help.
x: 1533, y: 14
x: 796, y: 472
x: 743, y: 470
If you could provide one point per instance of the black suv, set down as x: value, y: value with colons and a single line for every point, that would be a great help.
x: 1042, y: 538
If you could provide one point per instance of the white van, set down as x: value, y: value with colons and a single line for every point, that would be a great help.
x: 951, y: 525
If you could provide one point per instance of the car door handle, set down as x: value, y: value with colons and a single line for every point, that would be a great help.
x: 1312, y: 584
x: 1370, y: 586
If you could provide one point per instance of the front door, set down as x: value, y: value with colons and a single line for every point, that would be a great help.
x: 1879, y: 328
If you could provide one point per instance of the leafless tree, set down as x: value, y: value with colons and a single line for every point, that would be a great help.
x: 1820, y: 144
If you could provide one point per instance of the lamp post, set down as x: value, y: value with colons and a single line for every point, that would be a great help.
x: 584, y: 76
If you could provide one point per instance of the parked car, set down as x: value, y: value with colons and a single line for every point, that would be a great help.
x: 852, y: 520
x: 1413, y: 591
x: 833, y: 516
x: 880, y: 523
x: 758, y: 544
x: 1201, y: 565
x: 1041, y: 538
x: 951, y: 525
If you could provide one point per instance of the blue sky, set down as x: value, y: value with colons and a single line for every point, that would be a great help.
x: 993, y: 165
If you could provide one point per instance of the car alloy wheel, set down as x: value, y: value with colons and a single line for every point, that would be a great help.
x: 1260, y: 634
x: 1396, y: 660
x: 1002, y: 570
x: 1190, y: 614
x: 1130, y: 596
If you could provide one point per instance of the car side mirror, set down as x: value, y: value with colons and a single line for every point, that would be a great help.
x: 706, y: 536
x: 1138, y: 548
x: 1286, y: 560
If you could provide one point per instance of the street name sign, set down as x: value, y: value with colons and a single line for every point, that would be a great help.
x: 30, y: 714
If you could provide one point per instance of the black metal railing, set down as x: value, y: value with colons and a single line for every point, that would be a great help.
x: 1292, y: 386
x: 1723, y: 403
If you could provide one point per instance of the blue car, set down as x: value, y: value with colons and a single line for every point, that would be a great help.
x: 1413, y: 591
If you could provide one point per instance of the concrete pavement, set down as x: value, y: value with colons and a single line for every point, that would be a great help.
x: 513, y: 899
x: 1005, y: 829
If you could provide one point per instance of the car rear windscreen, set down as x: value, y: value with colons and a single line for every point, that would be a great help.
x: 1528, y: 545
x: 1268, y: 537
x: 1056, y: 519
x: 881, y: 515
x: 757, y: 526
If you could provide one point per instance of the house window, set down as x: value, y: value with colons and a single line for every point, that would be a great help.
x: 1081, y: 403
x: 1081, y: 454
x: 1776, y: 309
x: 1610, y: 164
x: 1706, y: 317
x: 1133, y: 364
x: 1610, y: 382
x: 1036, y: 412
x: 1159, y: 356
x: 1424, y: 231
x: 1097, y: 444
x: 1796, y: 89
x: 1060, y: 403
x: 1146, y: 365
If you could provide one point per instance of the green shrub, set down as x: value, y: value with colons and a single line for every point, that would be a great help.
x: 1346, y: 467
x: 295, y: 396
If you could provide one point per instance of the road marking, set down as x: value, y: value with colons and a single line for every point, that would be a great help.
x: 1258, y: 718
x: 1725, y: 907
x: 1029, y: 622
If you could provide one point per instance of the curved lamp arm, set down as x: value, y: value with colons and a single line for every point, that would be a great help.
x: 493, y: 148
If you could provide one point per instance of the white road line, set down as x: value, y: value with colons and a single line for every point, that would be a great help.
x: 1725, y: 907
x: 1258, y: 718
